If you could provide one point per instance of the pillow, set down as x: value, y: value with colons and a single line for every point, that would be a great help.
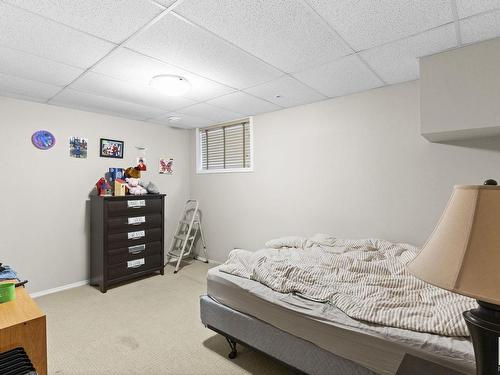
x: 291, y: 241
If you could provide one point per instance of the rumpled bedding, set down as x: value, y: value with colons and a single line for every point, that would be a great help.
x: 366, y: 279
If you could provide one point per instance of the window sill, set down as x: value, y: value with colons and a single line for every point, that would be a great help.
x: 217, y: 171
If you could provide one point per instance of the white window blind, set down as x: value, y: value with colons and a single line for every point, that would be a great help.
x: 225, y: 147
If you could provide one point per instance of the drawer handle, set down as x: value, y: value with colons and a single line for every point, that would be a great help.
x: 136, y: 249
x: 136, y: 204
x: 136, y: 220
x: 136, y: 266
x: 136, y: 263
x: 136, y: 235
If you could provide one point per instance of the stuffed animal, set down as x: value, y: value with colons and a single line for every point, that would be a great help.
x: 149, y: 186
x: 132, y: 172
x: 134, y: 186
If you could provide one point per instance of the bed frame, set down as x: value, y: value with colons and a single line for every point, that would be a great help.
x: 295, y: 352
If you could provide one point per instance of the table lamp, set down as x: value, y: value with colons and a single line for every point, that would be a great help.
x: 463, y: 256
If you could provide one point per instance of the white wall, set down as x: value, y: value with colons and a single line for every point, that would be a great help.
x: 354, y: 166
x: 44, y: 216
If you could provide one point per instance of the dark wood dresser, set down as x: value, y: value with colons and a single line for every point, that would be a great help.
x: 127, y: 238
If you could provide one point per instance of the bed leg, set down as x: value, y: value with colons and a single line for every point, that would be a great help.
x: 232, y: 345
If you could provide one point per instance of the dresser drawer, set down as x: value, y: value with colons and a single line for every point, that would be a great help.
x: 134, y: 237
x: 138, y: 264
x: 134, y: 207
x: 134, y: 222
x: 124, y: 254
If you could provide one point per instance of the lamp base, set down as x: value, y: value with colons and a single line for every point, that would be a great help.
x: 484, y: 328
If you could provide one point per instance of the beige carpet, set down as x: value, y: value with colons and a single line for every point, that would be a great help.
x: 148, y: 327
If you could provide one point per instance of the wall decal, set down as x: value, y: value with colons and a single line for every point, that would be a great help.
x: 78, y: 147
x: 141, y: 157
x: 166, y: 166
x: 43, y: 139
x: 141, y: 164
x: 110, y: 148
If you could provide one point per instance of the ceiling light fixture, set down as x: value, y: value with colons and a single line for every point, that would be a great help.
x: 173, y: 119
x: 171, y: 85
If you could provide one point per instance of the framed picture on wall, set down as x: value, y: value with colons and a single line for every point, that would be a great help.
x: 111, y: 148
x: 78, y: 147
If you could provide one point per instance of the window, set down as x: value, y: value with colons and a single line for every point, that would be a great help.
x: 225, y: 147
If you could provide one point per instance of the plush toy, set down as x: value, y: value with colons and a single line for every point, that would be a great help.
x: 149, y: 186
x: 134, y: 186
x: 132, y: 172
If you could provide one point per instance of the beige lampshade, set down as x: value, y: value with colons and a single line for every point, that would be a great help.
x: 463, y: 253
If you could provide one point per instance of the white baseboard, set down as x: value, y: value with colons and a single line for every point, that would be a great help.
x: 59, y: 289
x: 81, y: 283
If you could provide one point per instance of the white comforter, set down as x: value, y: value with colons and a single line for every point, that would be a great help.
x: 366, y: 279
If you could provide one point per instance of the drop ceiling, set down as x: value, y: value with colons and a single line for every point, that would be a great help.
x: 242, y: 57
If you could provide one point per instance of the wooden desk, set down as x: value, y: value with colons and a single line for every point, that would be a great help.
x: 22, y: 323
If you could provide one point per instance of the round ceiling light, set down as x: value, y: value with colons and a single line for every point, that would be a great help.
x: 173, y: 119
x: 171, y: 85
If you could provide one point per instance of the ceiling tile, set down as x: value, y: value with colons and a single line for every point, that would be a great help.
x: 470, y: 7
x: 341, y: 77
x: 19, y: 87
x: 24, y: 65
x: 130, y: 66
x: 210, y: 112
x: 481, y: 27
x: 182, y: 44
x: 31, y: 33
x: 286, y: 34
x: 243, y: 103
x: 93, y: 103
x: 367, y: 23
x: 182, y: 120
x: 102, y: 85
x: 398, y: 61
x: 114, y: 20
x: 286, y: 92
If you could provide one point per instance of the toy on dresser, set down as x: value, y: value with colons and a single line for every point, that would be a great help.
x: 120, y: 187
x: 104, y: 188
x: 132, y: 176
x: 134, y: 187
x: 120, y: 182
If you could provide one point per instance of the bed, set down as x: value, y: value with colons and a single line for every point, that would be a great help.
x: 317, y: 338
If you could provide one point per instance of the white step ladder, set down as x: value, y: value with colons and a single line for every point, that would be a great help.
x: 185, y: 235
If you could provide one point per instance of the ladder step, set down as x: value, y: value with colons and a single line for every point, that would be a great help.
x: 184, y: 238
x: 176, y: 254
x: 187, y: 222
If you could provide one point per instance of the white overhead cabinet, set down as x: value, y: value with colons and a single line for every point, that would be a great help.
x: 460, y: 92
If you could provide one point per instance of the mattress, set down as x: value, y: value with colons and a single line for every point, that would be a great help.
x: 378, y: 348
